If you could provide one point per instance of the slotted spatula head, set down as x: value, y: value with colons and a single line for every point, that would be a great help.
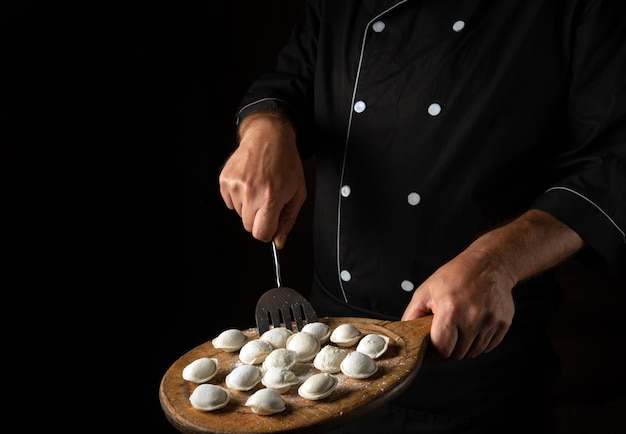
x: 282, y: 306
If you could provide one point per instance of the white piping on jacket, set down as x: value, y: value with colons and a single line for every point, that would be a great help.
x: 595, y: 205
x: 345, y: 152
x: 257, y: 102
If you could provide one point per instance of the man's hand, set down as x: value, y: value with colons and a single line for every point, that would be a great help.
x: 470, y: 296
x: 472, y: 306
x: 263, y: 180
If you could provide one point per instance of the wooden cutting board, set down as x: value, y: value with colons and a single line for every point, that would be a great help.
x: 353, y: 398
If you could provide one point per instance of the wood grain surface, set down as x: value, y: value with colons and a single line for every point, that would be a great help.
x: 352, y: 398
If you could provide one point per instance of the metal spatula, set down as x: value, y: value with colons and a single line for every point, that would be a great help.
x: 282, y: 306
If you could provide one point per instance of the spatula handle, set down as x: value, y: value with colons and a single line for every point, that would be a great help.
x: 276, y: 264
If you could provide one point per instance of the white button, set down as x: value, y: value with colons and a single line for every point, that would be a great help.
x: 378, y: 26
x: 434, y: 109
x: 407, y: 285
x: 458, y: 26
x: 359, y: 107
x: 346, y: 190
x: 414, y: 198
x: 346, y: 276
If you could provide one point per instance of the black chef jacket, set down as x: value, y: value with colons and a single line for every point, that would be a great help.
x: 433, y: 121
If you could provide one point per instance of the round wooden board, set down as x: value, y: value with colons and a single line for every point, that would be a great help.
x: 351, y: 399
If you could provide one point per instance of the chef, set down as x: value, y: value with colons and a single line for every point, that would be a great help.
x: 463, y: 149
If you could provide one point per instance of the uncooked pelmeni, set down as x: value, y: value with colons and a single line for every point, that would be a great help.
x: 318, y: 329
x: 265, y: 402
x: 209, y: 397
x: 280, y: 358
x: 318, y: 386
x: 305, y: 345
x: 358, y: 365
x: 329, y: 359
x: 255, y: 351
x: 277, y: 336
x: 244, y: 377
x: 374, y: 345
x: 201, y: 370
x: 279, y: 379
x: 230, y: 340
x: 345, y: 335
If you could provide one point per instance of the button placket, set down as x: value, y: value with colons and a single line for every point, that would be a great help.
x: 434, y: 109
x: 360, y: 106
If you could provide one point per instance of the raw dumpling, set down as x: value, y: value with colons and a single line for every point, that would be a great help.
x: 255, y: 351
x: 345, y: 335
x: 318, y: 329
x: 305, y: 345
x: 209, y: 397
x: 230, y: 340
x: 358, y: 365
x: 318, y: 386
x: 277, y: 336
x: 244, y: 377
x: 280, y: 358
x: 265, y: 402
x: 279, y: 379
x: 200, y: 370
x: 329, y: 359
x: 374, y: 345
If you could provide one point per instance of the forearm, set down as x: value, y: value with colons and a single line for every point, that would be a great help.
x: 534, y: 242
x: 268, y: 125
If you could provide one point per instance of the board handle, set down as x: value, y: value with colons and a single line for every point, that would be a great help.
x: 416, y: 332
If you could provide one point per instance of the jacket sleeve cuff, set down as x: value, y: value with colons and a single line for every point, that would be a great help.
x: 599, y: 231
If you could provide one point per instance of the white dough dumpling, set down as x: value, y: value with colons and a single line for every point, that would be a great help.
x: 280, y: 358
x: 318, y: 329
x: 329, y: 359
x: 209, y: 397
x: 358, y: 365
x: 244, y: 377
x: 374, y: 345
x: 201, y: 370
x: 230, y: 340
x: 266, y: 402
x: 345, y: 335
x: 305, y: 345
x: 279, y: 379
x: 254, y: 352
x: 277, y: 336
x: 318, y: 386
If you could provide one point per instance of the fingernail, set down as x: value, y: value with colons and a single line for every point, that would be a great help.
x: 281, y: 240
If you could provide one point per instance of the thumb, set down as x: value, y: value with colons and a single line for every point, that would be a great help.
x: 286, y: 222
x: 419, y: 306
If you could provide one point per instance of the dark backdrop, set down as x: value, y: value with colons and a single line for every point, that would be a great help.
x: 119, y: 253
x: 121, y: 115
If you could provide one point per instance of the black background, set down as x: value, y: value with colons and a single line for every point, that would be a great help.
x: 122, y: 256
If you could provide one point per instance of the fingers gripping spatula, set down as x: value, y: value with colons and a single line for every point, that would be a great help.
x: 282, y: 306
